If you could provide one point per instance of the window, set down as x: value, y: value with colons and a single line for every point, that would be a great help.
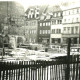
x: 33, y: 16
x: 49, y: 23
x: 30, y: 39
x: 48, y: 31
x: 48, y: 17
x: 26, y: 32
x: 68, y: 29
x: 55, y: 15
x: 26, y: 23
x: 64, y: 20
x: 54, y: 22
x: 76, y: 29
x: 53, y: 40
x: 40, y: 31
x: 30, y: 31
x: 33, y: 23
x: 59, y: 14
x: 53, y: 30
x: 59, y: 40
x: 64, y: 13
x: 77, y: 10
x: 73, y: 11
x: 43, y: 24
x: 69, y: 12
x: 28, y: 16
x: 64, y: 28
x: 40, y: 24
x: 77, y: 19
x: 46, y: 24
x: 59, y: 30
x: 72, y: 30
x: 30, y: 24
x: 60, y: 21
x: 72, y: 19
x: 45, y: 31
x: 37, y: 15
x: 56, y: 30
x: 34, y: 40
x: 34, y: 31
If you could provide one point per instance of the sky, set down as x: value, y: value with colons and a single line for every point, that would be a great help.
x: 27, y: 3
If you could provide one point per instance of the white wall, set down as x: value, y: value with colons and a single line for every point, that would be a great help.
x: 58, y: 26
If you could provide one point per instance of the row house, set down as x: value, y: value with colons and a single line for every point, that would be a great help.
x: 31, y: 26
x: 31, y: 31
x: 52, y: 25
x: 71, y: 25
x: 44, y: 25
x: 56, y: 28
x: 56, y: 25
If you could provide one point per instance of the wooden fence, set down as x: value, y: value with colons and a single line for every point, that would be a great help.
x: 57, y: 69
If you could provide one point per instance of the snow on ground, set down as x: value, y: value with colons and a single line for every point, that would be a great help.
x: 24, y: 54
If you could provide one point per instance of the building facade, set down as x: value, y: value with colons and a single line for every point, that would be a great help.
x: 31, y: 28
x: 52, y: 25
x: 56, y: 27
x: 31, y: 31
x: 44, y: 25
x: 71, y: 25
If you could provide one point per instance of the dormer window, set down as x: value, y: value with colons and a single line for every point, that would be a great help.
x: 59, y: 14
x: 42, y: 17
x: 48, y: 17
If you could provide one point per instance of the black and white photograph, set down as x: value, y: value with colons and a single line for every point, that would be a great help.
x: 39, y: 39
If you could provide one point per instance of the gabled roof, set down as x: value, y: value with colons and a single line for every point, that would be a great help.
x: 45, y: 11
x: 52, y: 9
x: 42, y: 9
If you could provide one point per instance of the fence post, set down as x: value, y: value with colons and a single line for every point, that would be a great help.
x: 67, y: 76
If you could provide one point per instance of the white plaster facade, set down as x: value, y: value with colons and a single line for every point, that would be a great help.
x: 56, y: 35
x: 71, y: 24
